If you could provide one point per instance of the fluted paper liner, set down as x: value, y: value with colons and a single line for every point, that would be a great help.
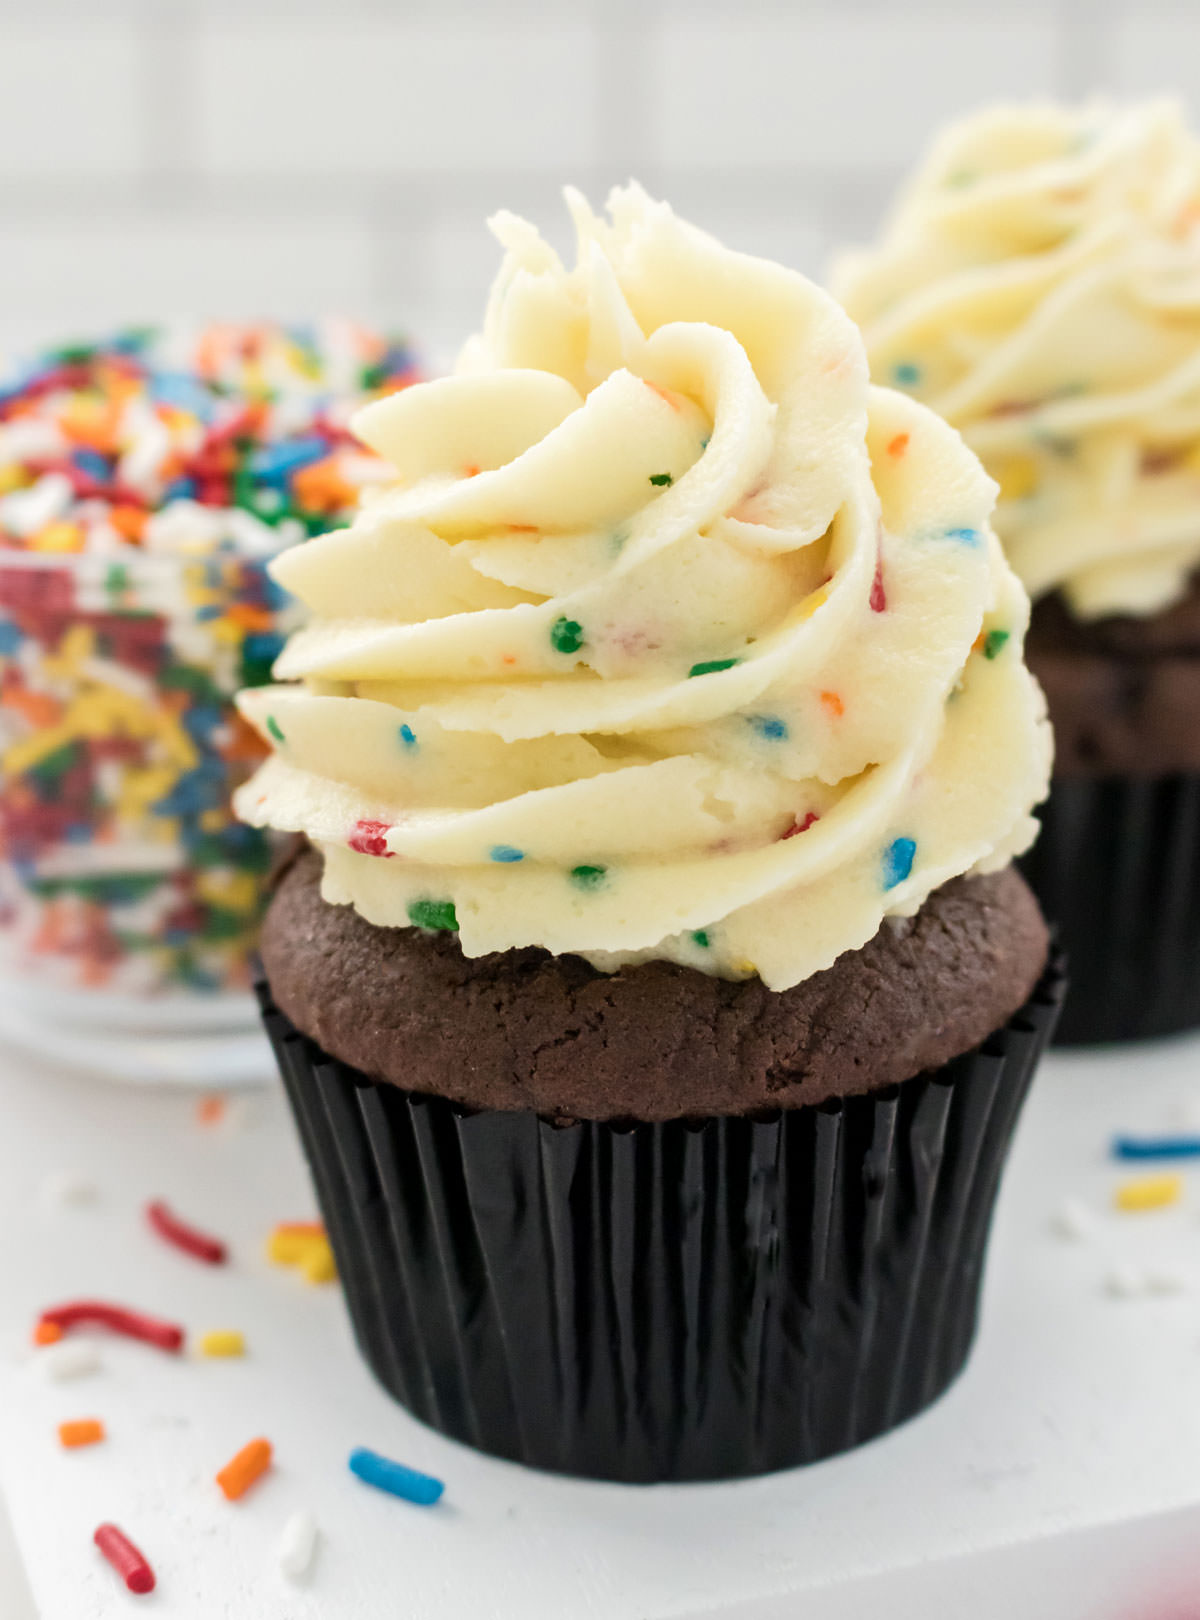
x: 1117, y: 869
x: 690, y: 1300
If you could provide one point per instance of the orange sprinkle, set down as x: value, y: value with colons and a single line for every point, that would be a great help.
x: 248, y: 617
x: 128, y: 521
x: 80, y: 1432
x: 471, y: 469
x: 210, y: 1110
x: 898, y: 445
x: 38, y: 708
x: 240, y: 1472
x: 508, y: 659
x: 663, y: 393
x: 522, y: 528
x: 833, y: 702
x: 47, y: 1333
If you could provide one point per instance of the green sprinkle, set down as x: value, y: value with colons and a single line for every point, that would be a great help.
x: 661, y: 479
x: 700, y: 937
x: 994, y: 641
x: 116, y: 578
x: 906, y: 374
x: 713, y: 666
x: 438, y: 915
x: 589, y: 877
x: 273, y: 729
x: 566, y: 636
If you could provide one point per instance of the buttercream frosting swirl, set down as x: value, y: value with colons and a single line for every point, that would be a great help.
x: 1039, y: 287
x: 672, y: 638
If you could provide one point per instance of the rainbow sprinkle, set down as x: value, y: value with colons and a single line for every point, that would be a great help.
x: 898, y: 860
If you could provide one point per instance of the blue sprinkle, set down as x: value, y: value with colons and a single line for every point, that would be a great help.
x: 181, y: 489
x: 213, y: 610
x: 969, y: 537
x: 395, y: 1478
x: 264, y: 646
x: 906, y: 374
x: 408, y: 736
x: 1156, y: 1147
x: 898, y: 861
x: 281, y: 460
x: 506, y: 853
x: 91, y: 461
x: 769, y: 725
x: 10, y: 637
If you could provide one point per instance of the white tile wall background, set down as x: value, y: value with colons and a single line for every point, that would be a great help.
x: 240, y: 157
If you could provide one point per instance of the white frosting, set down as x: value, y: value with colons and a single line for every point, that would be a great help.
x: 1039, y: 286
x: 661, y: 582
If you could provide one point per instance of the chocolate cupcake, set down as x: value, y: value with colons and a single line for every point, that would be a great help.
x: 655, y: 993
x: 1039, y: 286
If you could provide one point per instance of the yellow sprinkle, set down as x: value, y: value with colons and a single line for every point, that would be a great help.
x: 290, y: 1243
x: 13, y: 476
x: 811, y: 603
x: 1149, y: 1192
x: 58, y: 537
x: 317, y: 1265
x: 236, y: 891
x: 744, y: 966
x: 1017, y: 478
x: 225, y: 1342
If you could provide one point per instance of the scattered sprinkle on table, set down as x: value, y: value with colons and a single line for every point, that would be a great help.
x: 290, y: 1241
x: 188, y: 1239
x: 395, y: 1478
x: 222, y: 1342
x: 1073, y: 1220
x: 71, y: 1359
x: 64, y: 1187
x: 129, y: 1563
x: 1156, y: 1147
x: 132, y: 1324
x: 1148, y: 1192
x: 297, y: 1545
x: 80, y: 1432
x: 240, y: 1472
x: 210, y: 1110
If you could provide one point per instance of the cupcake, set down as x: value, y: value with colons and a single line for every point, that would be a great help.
x: 651, y: 980
x: 1039, y: 287
x: 145, y: 481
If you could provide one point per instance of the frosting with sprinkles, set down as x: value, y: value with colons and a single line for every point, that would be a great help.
x: 145, y: 481
x: 769, y: 650
x: 986, y: 296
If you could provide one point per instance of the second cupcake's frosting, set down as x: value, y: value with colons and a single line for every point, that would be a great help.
x: 672, y: 639
x: 1039, y: 286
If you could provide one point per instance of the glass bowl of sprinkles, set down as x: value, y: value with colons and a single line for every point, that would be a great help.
x: 145, y: 483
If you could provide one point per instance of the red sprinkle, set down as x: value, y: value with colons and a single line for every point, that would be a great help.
x: 125, y: 1558
x: 802, y: 826
x: 878, y: 594
x: 370, y: 838
x: 133, y: 1324
x: 177, y: 1232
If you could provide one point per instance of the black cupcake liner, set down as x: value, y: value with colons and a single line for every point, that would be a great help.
x: 690, y: 1300
x: 1117, y: 870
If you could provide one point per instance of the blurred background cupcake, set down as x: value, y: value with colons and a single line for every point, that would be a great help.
x: 1038, y: 285
x: 147, y: 480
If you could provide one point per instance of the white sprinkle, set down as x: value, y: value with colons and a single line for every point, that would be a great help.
x: 69, y: 1358
x: 1166, y: 1280
x: 68, y: 1187
x: 297, y: 1545
x: 26, y: 511
x: 1123, y: 1282
x: 1073, y: 1220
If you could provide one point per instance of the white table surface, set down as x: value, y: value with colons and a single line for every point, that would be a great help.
x: 1058, y: 1480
